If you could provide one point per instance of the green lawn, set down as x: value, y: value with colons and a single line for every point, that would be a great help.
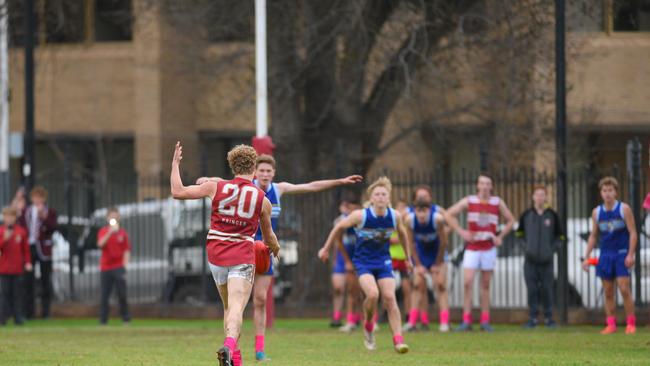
x: 308, y: 342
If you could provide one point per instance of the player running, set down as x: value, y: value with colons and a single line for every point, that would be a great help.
x: 371, y: 258
x: 238, y: 208
x: 481, y: 240
x: 427, y: 230
x: 344, y: 282
x: 264, y: 174
x: 614, y: 228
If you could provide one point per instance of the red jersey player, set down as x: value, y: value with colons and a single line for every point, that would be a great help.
x: 481, y: 240
x: 238, y: 208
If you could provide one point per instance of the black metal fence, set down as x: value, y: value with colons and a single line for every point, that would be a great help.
x: 168, y: 258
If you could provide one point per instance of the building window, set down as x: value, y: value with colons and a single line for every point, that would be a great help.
x: 628, y: 15
x: 214, y: 148
x: 113, y: 20
x: 73, y: 21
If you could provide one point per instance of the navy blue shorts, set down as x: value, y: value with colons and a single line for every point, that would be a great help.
x: 379, y: 271
x: 428, y: 255
x: 339, y: 265
x: 611, y: 266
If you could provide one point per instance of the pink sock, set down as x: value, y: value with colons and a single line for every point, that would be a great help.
x: 358, y: 317
x: 444, y: 316
x: 611, y: 321
x: 259, y: 343
x: 424, y: 318
x: 337, y: 316
x: 369, y: 326
x: 485, y: 317
x: 467, y: 318
x: 231, y: 343
x: 236, y: 358
x: 398, y: 339
x: 631, y: 320
x: 413, y: 316
x: 351, y: 318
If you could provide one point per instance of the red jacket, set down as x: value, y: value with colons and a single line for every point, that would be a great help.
x: 113, y: 251
x: 14, y: 252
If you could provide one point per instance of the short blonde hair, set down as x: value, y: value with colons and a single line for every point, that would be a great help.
x: 265, y: 159
x: 241, y: 160
x: 9, y: 211
x: 380, y: 182
x: 608, y: 181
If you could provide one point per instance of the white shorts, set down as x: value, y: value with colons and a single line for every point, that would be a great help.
x: 222, y: 274
x: 485, y: 260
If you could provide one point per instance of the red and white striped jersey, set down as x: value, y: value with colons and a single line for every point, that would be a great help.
x: 236, y: 209
x: 482, y: 221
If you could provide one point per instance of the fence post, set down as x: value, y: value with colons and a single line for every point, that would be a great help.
x: 68, y: 204
x: 560, y: 151
x: 634, y: 198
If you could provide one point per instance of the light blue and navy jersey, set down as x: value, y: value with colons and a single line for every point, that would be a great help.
x: 426, y: 235
x: 274, y: 197
x: 614, y: 237
x: 373, y: 237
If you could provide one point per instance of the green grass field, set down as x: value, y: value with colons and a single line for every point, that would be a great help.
x: 308, y: 342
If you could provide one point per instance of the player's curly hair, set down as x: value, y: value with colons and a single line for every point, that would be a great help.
x: 380, y: 182
x: 241, y: 160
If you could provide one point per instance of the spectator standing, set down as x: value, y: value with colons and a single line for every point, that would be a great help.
x: 116, y: 248
x: 40, y: 222
x: 14, y: 259
x: 541, y: 234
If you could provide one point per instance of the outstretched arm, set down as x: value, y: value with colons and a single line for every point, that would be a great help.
x: 268, y: 235
x: 317, y: 185
x: 181, y: 192
x: 336, y: 234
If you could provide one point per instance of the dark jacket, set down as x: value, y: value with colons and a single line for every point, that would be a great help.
x: 542, y: 234
x: 46, y: 228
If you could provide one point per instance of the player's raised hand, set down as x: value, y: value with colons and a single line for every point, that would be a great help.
x: 323, y: 254
x: 178, y: 154
x: 353, y: 179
